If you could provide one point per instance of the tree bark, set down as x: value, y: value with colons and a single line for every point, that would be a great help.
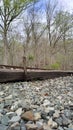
x: 6, y: 50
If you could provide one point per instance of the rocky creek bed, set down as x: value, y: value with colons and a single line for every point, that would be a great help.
x: 38, y: 105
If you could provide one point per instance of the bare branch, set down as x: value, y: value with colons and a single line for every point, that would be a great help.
x: 1, y: 27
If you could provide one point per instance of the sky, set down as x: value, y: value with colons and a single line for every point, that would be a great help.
x: 67, y: 5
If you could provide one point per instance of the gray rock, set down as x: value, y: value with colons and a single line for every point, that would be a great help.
x: 25, y: 106
x: 65, y: 120
x: 15, y: 126
x: 1, y: 111
x: 71, y: 106
x: 39, y: 125
x: 23, y: 127
x: 10, y: 114
x: 1, y: 105
x: 51, y: 113
x: 22, y: 124
x: 3, y: 127
x: 7, y: 103
x: 60, y: 128
x: 59, y: 121
x: 15, y: 119
x: 67, y: 113
x: 51, y: 98
x: 4, y: 120
x: 70, y: 129
x: 71, y: 115
x: 43, y: 115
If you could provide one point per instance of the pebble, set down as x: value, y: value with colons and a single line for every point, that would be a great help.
x: 15, y: 119
x: 37, y: 105
x: 37, y: 116
x: 3, y: 127
x: 15, y: 126
x: 56, y: 114
x: 28, y: 116
x: 4, y: 120
x: 52, y: 124
x: 31, y: 127
x: 18, y: 111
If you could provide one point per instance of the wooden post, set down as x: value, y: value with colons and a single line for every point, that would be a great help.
x: 24, y: 64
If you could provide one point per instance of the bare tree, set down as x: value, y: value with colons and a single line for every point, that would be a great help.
x: 9, y: 10
x: 27, y: 32
x: 33, y: 31
x: 66, y: 25
x: 51, y: 10
x: 58, y: 24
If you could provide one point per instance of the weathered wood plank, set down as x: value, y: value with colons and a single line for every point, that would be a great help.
x: 7, y: 75
x: 11, y: 76
x: 46, y: 74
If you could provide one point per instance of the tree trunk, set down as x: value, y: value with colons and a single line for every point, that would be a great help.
x: 36, y: 55
x: 11, y: 59
x: 6, y: 50
x: 65, y: 51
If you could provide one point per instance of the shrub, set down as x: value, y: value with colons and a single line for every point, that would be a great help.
x: 31, y: 57
x: 55, y: 66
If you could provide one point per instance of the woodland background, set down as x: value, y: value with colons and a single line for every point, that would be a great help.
x: 43, y: 33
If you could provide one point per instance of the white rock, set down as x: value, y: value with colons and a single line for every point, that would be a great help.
x: 37, y: 116
x: 1, y: 93
x: 14, y: 106
x: 48, y: 109
x: 52, y: 124
x: 56, y: 114
x: 46, y: 103
x: 9, y: 97
x: 18, y: 111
